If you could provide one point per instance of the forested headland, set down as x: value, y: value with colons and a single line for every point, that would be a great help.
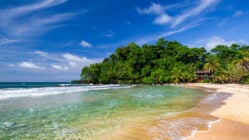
x: 169, y: 62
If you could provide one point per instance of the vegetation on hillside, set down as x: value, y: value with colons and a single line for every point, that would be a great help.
x: 169, y: 62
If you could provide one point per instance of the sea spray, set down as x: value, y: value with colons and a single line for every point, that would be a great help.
x: 7, y: 93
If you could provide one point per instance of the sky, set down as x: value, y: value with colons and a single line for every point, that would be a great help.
x: 51, y: 40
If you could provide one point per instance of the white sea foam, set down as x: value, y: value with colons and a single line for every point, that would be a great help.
x: 210, y: 98
x: 7, y: 124
x: 44, y: 91
x: 191, y: 135
x: 210, y: 123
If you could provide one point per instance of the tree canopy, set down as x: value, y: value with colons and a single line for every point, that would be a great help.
x: 169, y: 62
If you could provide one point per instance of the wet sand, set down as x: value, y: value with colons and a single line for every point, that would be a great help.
x: 234, y: 115
x: 224, y: 130
x: 175, y: 126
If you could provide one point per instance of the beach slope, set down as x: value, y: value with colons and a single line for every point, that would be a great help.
x: 234, y: 115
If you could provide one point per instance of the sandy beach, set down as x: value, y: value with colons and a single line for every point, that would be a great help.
x: 234, y: 115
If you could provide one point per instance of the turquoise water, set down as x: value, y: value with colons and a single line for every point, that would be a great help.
x: 87, y: 114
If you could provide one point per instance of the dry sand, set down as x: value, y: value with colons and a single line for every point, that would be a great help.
x: 234, y: 115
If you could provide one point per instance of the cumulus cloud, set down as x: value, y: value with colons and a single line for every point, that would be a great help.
x: 64, y: 61
x: 54, y: 62
x: 85, y: 44
x: 212, y: 42
x: 75, y: 61
x: 162, y: 19
x: 30, y: 65
x: 158, y: 10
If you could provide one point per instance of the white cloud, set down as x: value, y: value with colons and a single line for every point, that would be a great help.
x: 238, y: 13
x: 153, y: 9
x: 85, y: 44
x: 41, y: 53
x: 54, y: 62
x: 148, y: 39
x: 30, y: 65
x: 109, y: 34
x: 73, y: 64
x: 212, y: 42
x: 59, y: 67
x: 223, y: 22
x: 162, y: 19
x: 38, y: 25
x: 158, y: 10
x: 76, y: 61
x: 202, y: 6
x: 5, y: 41
x: 63, y: 61
x: 189, y: 12
x: 42, y: 65
x: 28, y: 20
x: 45, y: 56
x: 11, y: 65
x: 35, y: 6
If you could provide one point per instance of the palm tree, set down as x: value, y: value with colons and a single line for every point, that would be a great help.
x: 243, y: 62
x: 176, y: 75
x: 212, y: 65
x: 221, y: 77
x: 234, y: 73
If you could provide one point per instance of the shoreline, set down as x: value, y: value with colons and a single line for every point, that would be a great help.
x: 233, y: 115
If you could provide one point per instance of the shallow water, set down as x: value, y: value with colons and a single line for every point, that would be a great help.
x: 105, y: 113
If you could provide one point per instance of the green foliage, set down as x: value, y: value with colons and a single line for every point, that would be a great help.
x: 148, y: 80
x: 231, y: 63
x: 169, y: 62
x: 245, y: 80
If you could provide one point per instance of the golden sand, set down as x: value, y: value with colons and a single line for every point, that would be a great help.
x: 234, y: 115
x: 224, y: 130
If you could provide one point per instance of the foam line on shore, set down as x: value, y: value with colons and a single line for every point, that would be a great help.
x: 234, y: 112
x: 210, y: 123
x: 45, y: 91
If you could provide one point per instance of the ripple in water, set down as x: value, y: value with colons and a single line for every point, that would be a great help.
x: 146, y: 112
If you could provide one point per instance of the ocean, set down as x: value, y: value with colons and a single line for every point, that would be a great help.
x: 99, y: 112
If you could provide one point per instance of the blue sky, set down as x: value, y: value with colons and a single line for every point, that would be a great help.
x: 51, y: 40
